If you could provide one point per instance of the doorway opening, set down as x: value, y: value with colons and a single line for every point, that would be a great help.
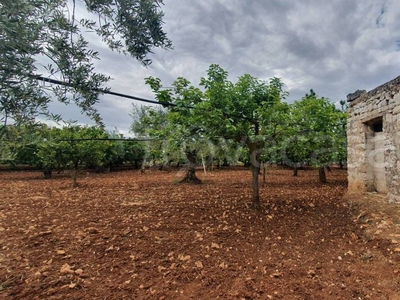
x: 375, y: 156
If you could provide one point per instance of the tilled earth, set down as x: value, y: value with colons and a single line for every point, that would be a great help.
x: 129, y: 235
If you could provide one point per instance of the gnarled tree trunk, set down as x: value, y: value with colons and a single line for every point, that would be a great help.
x: 190, y: 176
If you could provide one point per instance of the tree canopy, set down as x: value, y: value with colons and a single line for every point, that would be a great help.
x: 45, y: 37
x: 317, y: 133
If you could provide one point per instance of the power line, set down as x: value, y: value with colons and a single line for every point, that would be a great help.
x: 54, y: 81
x: 89, y: 139
x: 105, y: 139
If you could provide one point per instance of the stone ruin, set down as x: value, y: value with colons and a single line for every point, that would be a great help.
x: 373, y: 140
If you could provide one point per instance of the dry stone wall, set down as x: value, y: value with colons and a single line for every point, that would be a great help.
x: 373, y: 137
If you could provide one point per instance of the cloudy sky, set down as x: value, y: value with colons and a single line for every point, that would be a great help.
x: 334, y: 47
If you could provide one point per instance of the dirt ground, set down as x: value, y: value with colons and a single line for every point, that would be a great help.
x: 128, y: 235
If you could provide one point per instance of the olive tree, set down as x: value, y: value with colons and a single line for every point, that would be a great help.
x: 319, y: 127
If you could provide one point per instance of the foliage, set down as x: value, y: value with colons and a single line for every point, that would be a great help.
x: 18, y: 144
x: 71, y: 147
x: 177, y: 126
x: 148, y: 123
x: 134, y: 152
x: 40, y: 36
x: 61, y: 150
x: 129, y: 26
x: 316, y: 133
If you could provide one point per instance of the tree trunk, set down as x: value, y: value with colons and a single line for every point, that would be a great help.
x: 256, y: 190
x: 204, y: 165
x: 209, y: 163
x: 264, y: 173
x: 295, y: 170
x: 190, y: 176
x: 322, y: 175
x: 47, y: 173
x: 255, y: 150
x: 74, y: 175
x: 225, y: 163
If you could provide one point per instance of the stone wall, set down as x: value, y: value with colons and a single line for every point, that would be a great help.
x: 373, y: 136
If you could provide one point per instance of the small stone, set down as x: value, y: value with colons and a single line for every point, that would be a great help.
x: 79, y: 272
x: 66, y: 269
x: 161, y: 268
x: 199, y: 264
x: 277, y: 274
x: 383, y: 225
x: 184, y: 257
x: 311, y: 273
x: 60, y: 252
x: 223, y: 265
x: 215, y: 246
x: 354, y: 236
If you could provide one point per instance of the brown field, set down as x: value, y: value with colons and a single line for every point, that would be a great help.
x: 128, y: 235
